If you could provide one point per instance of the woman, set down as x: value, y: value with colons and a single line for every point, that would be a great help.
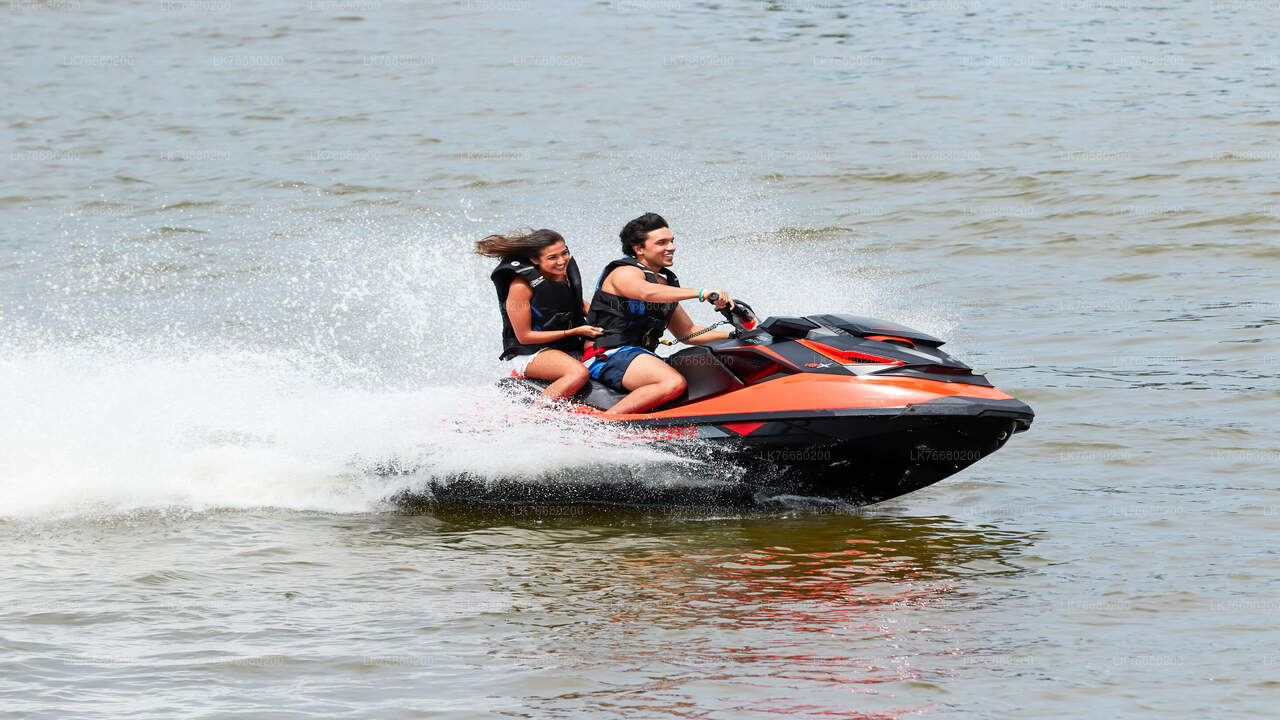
x: 543, y: 315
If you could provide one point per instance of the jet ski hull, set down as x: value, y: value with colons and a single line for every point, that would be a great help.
x: 840, y: 407
x: 856, y: 456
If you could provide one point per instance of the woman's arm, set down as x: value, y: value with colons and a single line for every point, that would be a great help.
x: 519, y: 296
x: 518, y: 306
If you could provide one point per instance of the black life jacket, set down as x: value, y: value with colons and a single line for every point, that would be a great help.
x: 627, y: 321
x: 554, y: 306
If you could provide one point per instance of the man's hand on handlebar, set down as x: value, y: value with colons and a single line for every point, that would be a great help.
x: 720, y: 299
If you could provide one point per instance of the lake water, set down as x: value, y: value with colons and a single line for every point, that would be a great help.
x: 234, y: 275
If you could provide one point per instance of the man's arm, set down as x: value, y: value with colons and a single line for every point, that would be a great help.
x: 629, y: 282
x: 681, y: 325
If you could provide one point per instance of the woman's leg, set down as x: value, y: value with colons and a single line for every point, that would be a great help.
x: 651, y: 382
x: 566, y: 374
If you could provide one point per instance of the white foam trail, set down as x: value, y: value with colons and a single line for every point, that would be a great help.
x: 117, y: 430
x: 143, y: 369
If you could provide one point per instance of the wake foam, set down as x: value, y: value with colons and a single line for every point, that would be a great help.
x: 336, y: 357
x: 92, y: 430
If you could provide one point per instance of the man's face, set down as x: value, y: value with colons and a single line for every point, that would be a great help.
x: 659, y: 248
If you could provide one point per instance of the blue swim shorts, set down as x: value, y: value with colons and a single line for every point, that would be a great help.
x: 609, y: 366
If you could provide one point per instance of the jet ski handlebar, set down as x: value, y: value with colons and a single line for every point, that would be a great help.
x: 740, y: 315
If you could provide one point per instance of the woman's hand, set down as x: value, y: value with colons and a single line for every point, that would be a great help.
x: 587, y: 331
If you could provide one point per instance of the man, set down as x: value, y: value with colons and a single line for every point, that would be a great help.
x: 636, y: 299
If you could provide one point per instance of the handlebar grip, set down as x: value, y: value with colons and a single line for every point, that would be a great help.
x: 713, y: 296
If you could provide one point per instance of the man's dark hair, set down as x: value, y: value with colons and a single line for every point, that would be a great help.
x: 637, y: 231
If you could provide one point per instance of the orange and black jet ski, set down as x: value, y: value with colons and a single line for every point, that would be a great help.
x: 834, y: 406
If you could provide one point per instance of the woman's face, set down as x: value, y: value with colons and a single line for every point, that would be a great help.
x: 554, y: 259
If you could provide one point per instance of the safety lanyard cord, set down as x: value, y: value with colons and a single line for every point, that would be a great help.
x: 696, y: 334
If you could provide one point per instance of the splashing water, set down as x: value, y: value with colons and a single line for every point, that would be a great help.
x: 241, y: 358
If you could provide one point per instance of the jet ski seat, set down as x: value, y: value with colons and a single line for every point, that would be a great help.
x: 704, y: 375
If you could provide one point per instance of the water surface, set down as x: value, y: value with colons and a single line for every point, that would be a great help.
x: 234, y: 277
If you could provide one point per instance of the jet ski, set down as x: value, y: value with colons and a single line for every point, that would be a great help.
x: 845, y: 407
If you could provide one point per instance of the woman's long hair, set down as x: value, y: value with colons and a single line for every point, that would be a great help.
x: 523, y: 243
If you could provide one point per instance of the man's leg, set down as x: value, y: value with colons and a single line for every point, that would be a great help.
x: 651, y: 382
